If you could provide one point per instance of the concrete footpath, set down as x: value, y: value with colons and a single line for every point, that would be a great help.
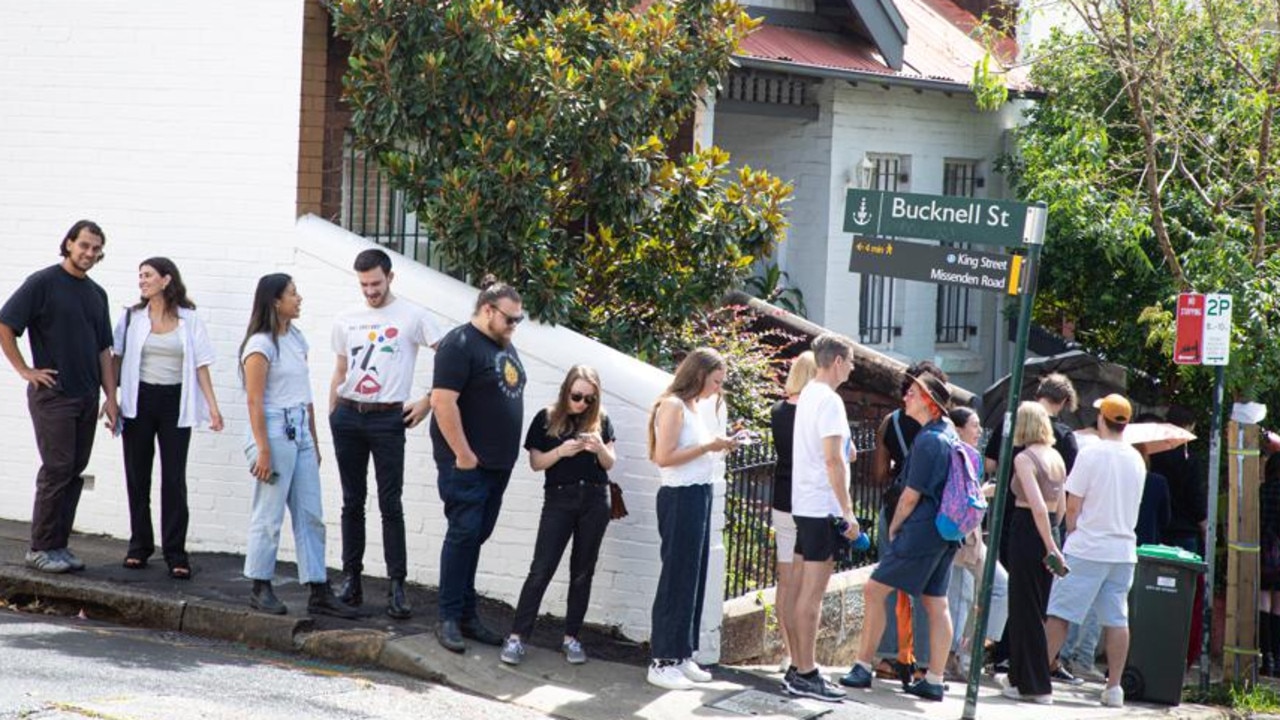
x: 612, y: 685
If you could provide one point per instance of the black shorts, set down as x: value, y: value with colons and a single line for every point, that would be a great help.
x: 817, y: 539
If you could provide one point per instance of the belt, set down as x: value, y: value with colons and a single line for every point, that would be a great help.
x: 576, y: 484
x: 368, y: 407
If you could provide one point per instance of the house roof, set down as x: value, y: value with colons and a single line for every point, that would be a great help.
x: 940, y: 51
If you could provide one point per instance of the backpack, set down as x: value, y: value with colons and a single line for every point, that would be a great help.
x: 962, y: 505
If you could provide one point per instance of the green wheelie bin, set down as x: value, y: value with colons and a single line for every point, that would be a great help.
x: 1160, y: 603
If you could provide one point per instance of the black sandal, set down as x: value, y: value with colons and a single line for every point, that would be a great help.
x: 134, y: 563
x: 180, y: 572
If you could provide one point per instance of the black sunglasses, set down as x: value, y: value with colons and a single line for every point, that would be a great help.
x: 579, y: 397
x: 511, y: 319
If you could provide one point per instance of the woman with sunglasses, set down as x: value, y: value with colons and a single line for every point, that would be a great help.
x: 572, y: 441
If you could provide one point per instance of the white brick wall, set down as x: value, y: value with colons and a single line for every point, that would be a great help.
x: 176, y: 128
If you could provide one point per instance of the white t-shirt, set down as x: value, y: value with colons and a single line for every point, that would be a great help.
x: 1108, y: 476
x: 819, y: 414
x: 381, y: 348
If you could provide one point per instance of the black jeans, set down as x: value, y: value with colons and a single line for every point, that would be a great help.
x: 472, y: 501
x: 157, y: 419
x: 684, y: 524
x: 580, y: 512
x: 356, y: 436
x: 64, y: 427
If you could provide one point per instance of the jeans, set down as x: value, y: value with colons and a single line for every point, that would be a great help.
x: 356, y: 436
x: 960, y: 599
x: 684, y: 525
x: 156, y: 419
x: 64, y: 428
x: 1081, y: 647
x: 581, y: 512
x: 888, y: 647
x: 296, y: 485
x: 472, y: 499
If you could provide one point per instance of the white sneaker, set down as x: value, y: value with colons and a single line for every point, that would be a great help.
x: 1011, y: 691
x: 1113, y: 696
x: 668, y: 677
x: 691, y: 670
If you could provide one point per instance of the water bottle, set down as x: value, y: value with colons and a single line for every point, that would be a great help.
x: 861, y: 543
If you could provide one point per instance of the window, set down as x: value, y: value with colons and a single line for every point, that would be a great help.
x: 875, y: 295
x: 959, y: 177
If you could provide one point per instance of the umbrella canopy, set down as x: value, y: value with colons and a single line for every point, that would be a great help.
x: 1155, y: 437
x: 1093, y: 378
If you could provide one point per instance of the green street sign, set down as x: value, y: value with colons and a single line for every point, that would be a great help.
x: 935, y: 217
x: 937, y: 264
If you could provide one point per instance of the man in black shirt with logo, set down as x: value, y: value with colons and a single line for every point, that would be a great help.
x: 477, y: 393
x: 70, y: 338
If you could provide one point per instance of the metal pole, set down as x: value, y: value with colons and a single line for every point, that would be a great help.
x: 1033, y: 236
x: 1211, y: 533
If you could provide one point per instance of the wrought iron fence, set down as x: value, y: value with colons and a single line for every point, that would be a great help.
x: 748, y: 531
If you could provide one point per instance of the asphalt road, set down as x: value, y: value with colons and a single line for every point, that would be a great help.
x: 65, y: 668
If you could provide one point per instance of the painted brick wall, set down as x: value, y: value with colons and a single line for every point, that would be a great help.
x: 177, y: 129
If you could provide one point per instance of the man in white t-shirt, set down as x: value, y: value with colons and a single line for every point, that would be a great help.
x: 820, y: 459
x: 377, y: 347
x: 1104, y: 491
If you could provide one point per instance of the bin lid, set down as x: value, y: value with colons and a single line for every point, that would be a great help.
x: 1173, y: 555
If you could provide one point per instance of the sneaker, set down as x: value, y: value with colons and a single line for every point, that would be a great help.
x: 857, y: 677
x: 1063, y: 675
x: 668, y: 677
x: 512, y: 651
x: 815, y: 686
x: 76, y: 563
x: 1113, y: 696
x: 573, y: 652
x: 48, y: 561
x: 1011, y: 691
x: 926, y: 690
x: 691, y: 670
x: 787, y: 677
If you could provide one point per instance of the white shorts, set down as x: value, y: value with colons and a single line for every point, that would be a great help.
x: 1103, y: 586
x: 784, y: 534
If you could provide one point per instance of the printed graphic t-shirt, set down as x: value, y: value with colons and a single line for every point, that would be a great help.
x: 381, y: 348
x: 489, y: 380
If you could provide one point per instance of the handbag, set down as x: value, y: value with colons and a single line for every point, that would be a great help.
x: 617, y: 507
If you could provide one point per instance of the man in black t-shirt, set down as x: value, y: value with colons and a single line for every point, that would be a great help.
x: 70, y: 338
x: 477, y: 394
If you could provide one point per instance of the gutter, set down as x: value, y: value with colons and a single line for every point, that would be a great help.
x: 857, y: 76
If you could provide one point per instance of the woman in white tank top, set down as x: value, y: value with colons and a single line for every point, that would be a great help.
x: 680, y: 444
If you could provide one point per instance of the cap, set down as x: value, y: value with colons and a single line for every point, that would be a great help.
x: 934, y: 387
x: 1114, y: 407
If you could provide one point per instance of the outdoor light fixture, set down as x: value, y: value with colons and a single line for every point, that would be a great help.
x: 867, y: 168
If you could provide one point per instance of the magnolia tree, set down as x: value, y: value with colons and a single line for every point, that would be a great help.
x: 532, y: 138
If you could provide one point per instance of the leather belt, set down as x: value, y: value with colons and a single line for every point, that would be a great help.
x: 370, y: 407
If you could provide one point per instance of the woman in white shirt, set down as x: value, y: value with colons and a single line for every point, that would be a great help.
x: 162, y: 354
x: 680, y: 444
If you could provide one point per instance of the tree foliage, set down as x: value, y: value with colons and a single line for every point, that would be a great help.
x: 1154, y: 151
x: 532, y: 138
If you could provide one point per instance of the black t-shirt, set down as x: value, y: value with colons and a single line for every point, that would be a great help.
x: 585, y: 466
x: 1185, y: 473
x: 1064, y: 441
x: 489, y: 380
x: 899, y: 450
x: 70, y: 327
x: 782, y: 425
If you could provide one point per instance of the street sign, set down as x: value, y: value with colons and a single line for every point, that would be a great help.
x: 935, y: 217
x: 1217, y: 329
x: 1189, y: 338
x: 937, y: 264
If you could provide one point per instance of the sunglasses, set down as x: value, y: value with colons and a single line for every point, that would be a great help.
x: 512, y: 320
x: 579, y: 397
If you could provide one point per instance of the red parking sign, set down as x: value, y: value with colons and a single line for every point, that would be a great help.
x: 1189, y: 341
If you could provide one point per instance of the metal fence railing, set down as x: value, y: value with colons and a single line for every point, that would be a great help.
x: 748, y: 537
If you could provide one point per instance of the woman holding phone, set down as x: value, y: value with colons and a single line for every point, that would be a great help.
x: 572, y: 442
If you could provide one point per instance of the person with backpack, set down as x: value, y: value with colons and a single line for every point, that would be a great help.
x: 1039, y: 503
x: 918, y: 557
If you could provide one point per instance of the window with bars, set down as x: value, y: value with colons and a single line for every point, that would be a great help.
x: 875, y: 294
x: 953, y: 325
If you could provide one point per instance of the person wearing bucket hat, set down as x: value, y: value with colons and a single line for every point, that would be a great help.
x: 1105, y: 493
x: 918, y: 559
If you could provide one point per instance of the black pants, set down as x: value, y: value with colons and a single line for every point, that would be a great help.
x: 64, y: 427
x: 580, y: 512
x: 356, y: 436
x: 1029, y: 583
x: 157, y: 420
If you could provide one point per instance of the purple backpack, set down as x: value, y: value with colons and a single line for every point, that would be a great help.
x: 962, y: 505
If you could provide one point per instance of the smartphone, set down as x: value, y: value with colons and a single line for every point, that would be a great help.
x: 251, y: 453
x: 1057, y: 568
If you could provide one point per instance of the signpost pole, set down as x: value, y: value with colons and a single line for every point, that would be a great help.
x: 1211, y: 532
x: 1033, y: 236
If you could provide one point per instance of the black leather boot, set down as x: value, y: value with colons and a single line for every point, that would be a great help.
x: 324, y: 602
x: 263, y: 598
x: 352, y: 592
x: 398, y: 605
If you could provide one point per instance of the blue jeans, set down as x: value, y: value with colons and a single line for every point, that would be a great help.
x: 296, y: 486
x: 1081, y: 648
x: 472, y: 500
x: 684, y: 524
x: 960, y: 598
x: 356, y: 436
